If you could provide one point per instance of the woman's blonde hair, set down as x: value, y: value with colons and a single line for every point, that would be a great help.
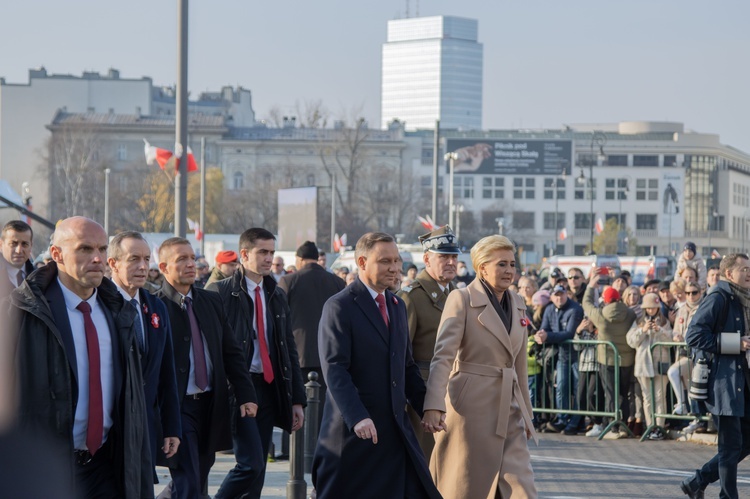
x: 631, y: 290
x: 481, y: 253
x: 677, y: 285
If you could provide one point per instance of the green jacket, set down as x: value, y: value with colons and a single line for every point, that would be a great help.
x: 613, y: 322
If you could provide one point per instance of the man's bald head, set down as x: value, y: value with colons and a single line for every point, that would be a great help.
x: 79, y: 247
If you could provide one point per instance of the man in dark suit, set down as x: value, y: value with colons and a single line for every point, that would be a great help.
x: 80, y: 379
x: 16, y: 239
x: 307, y: 290
x: 371, y: 376
x: 259, y: 315
x: 129, y: 256
x: 207, y: 355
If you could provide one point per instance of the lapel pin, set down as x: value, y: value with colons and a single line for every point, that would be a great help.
x: 434, y: 295
x: 524, y: 322
x: 155, y: 321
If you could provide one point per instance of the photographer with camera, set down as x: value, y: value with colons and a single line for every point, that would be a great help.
x: 718, y: 332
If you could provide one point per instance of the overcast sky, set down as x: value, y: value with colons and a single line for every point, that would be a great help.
x: 546, y: 63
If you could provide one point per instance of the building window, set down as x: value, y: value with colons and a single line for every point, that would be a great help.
x: 530, y: 184
x: 463, y: 186
x: 122, y: 152
x: 493, y: 188
x: 238, y: 181
x: 549, y: 220
x: 647, y: 189
x: 523, y: 220
x: 617, y: 160
x: 645, y: 222
x: 615, y: 188
x: 549, y: 188
x: 582, y: 191
x: 583, y: 221
x: 670, y: 160
x: 645, y: 160
x: 491, y: 220
x: 619, y: 217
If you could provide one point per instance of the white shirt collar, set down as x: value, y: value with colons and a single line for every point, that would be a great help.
x: 251, y: 285
x: 72, y: 300
x: 373, y: 293
x: 127, y: 296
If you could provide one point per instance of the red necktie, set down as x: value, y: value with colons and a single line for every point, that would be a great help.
x: 381, y: 305
x: 199, y: 354
x: 96, y: 406
x: 265, y: 359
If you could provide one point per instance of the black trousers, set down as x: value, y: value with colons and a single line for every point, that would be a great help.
x: 96, y: 479
x: 251, y: 441
x: 193, y: 460
x: 608, y: 382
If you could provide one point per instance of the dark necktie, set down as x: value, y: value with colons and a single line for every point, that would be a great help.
x: 139, y: 326
x: 265, y: 359
x: 380, y: 299
x: 19, y: 277
x: 199, y: 355
x: 96, y: 408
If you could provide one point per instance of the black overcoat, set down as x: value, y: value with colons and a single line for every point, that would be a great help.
x: 370, y: 373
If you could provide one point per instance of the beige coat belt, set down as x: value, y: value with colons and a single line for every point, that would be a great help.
x: 509, y: 386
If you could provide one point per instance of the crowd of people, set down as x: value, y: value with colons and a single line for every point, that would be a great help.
x: 123, y: 363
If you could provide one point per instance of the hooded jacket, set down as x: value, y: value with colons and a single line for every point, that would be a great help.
x: 613, y: 322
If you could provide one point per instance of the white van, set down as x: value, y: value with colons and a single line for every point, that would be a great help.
x: 585, y: 263
x: 346, y: 259
x: 645, y: 268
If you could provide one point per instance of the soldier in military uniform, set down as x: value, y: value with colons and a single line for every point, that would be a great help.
x: 425, y: 299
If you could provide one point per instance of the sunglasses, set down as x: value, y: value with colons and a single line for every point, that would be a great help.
x: 691, y: 293
x: 575, y: 277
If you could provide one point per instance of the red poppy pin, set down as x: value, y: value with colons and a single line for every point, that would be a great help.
x: 155, y: 321
x: 682, y: 320
x: 395, y: 301
x: 524, y: 322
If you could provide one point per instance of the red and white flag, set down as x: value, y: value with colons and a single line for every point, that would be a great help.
x: 427, y: 222
x: 339, y: 242
x: 164, y: 157
x: 195, y: 227
x: 599, y: 226
x: 563, y: 234
x: 715, y: 254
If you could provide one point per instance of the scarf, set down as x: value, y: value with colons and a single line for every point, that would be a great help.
x: 503, y: 306
x: 743, y: 295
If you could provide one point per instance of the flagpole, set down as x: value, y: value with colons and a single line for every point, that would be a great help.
x: 181, y: 122
x: 333, y: 211
x: 203, y: 197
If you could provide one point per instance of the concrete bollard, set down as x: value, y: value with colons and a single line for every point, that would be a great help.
x: 296, y: 487
x: 312, y: 424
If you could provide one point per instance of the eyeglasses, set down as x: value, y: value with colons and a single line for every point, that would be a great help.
x: 692, y: 293
x: 575, y: 277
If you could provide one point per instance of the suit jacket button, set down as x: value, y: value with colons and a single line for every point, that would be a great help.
x: 394, y: 383
x: 508, y: 364
x: 182, y: 370
x: 186, y: 338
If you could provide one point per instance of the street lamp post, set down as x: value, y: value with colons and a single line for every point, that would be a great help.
x: 106, y: 200
x: 711, y: 223
x: 451, y: 157
x: 599, y: 140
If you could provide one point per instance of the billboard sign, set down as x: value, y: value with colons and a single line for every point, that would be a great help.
x: 672, y: 208
x: 298, y: 222
x: 511, y: 156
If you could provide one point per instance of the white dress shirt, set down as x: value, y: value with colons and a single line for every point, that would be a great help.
x: 106, y: 361
x: 374, y: 293
x: 192, y: 388
x: 256, y: 366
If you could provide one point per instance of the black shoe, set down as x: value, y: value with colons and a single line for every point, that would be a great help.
x: 553, y: 428
x: 691, y: 488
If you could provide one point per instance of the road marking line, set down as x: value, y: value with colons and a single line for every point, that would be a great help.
x: 626, y: 467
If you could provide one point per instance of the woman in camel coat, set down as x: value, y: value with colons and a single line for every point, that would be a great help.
x: 477, y: 393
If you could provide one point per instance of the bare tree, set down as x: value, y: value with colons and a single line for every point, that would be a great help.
x: 76, y: 163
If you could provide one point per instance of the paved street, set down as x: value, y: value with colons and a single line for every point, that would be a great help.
x: 570, y: 467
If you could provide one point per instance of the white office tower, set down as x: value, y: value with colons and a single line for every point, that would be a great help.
x: 432, y: 69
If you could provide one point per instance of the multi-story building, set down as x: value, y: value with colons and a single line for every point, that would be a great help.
x: 432, y: 69
x: 664, y: 184
x: 26, y: 110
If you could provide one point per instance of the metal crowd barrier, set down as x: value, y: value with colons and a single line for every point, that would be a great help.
x: 670, y: 398
x: 545, y: 400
